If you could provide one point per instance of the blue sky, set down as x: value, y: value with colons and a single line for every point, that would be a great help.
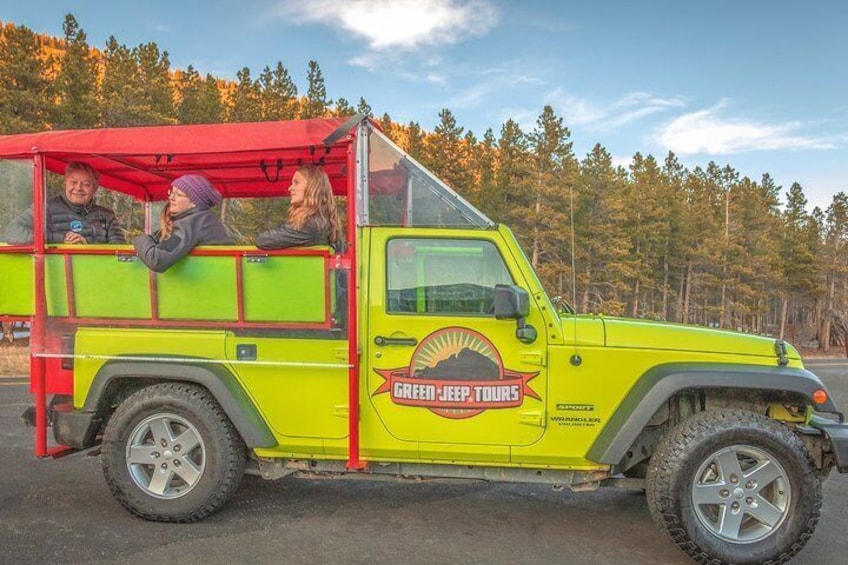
x: 757, y: 84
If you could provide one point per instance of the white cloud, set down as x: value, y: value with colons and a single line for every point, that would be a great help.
x: 635, y: 106
x: 436, y: 78
x: 494, y: 80
x: 621, y: 161
x: 397, y: 24
x: 707, y: 132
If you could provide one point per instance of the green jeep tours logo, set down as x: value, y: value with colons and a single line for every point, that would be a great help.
x: 456, y: 373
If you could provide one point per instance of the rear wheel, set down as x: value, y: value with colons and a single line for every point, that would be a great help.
x: 171, y: 454
x: 731, y: 486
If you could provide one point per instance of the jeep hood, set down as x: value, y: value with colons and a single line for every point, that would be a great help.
x: 641, y: 334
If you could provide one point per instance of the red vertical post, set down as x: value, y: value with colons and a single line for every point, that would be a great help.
x: 37, y: 368
x: 352, y: 321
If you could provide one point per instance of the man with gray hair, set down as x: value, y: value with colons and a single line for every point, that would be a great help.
x: 72, y: 217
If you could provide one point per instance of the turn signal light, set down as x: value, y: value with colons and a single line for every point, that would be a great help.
x: 819, y: 397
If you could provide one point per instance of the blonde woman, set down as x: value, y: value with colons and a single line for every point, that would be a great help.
x: 312, y: 218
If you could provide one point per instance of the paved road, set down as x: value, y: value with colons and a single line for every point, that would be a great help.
x: 61, y: 512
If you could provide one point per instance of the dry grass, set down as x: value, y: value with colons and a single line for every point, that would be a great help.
x: 14, y: 360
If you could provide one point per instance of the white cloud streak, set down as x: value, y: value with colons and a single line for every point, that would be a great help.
x: 707, y: 132
x: 493, y: 80
x: 396, y: 24
x: 594, y: 116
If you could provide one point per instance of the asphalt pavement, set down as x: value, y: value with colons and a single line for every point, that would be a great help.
x: 61, y: 512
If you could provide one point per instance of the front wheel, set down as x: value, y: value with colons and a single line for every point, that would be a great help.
x: 731, y: 486
x: 170, y: 453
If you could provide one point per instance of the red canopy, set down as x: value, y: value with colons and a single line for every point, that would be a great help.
x: 242, y: 160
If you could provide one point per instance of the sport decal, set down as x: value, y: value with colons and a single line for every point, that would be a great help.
x: 456, y: 373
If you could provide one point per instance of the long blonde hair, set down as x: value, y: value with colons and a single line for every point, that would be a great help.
x: 317, y: 203
x: 166, y: 224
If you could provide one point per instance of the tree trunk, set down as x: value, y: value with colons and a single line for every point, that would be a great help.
x: 585, y: 300
x: 784, y: 307
x: 665, y: 289
x: 845, y: 338
x: 635, y: 313
x: 534, y: 260
x: 827, y: 318
x: 687, y: 290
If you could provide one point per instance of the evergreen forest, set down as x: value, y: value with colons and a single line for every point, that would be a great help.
x: 653, y: 240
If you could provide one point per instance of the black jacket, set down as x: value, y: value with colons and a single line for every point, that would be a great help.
x: 95, y: 223
x: 316, y: 231
x: 191, y: 228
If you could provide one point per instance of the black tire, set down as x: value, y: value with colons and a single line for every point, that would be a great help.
x: 179, y: 484
x: 720, y: 457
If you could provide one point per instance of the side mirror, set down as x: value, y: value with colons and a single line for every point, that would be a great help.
x: 513, y: 303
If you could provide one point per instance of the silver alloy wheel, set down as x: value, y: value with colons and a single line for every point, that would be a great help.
x: 165, y: 456
x: 741, y: 494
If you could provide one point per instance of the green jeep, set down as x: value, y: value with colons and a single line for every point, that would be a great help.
x: 424, y: 347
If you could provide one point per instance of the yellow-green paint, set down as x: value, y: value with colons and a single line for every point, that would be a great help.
x: 299, y: 384
x: 285, y: 289
x: 199, y: 288
x: 56, y: 285
x: 16, y: 288
x: 106, y: 287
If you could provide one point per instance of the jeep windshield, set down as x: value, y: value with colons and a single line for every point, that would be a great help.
x: 403, y: 193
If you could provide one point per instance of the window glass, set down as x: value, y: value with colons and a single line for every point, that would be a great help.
x: 16, y: 201
x: 402, y: 193
x: 432, y: 276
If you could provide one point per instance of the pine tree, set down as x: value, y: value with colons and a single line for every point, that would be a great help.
x: 364, y: 108
x: 76, y: 85
x: 200, y: 100
x: 278, y: 94
x: 555, y: 171
x: 670, y: 271
x: 153, y: 79
x: 444, y: 154
x: 648, y: 226
x: 488, y: 162
x: 753, y: 254
x: 123, y: 98
x: 343, y: 108
x: 514, y: 183
x: 25, y: 90
x: 245, y: 101
x: 415, y: 143
x: 602, y: 249
x: 799, y: 249
x: 389, y: 128
x: 317, y: 105
x: 834, y: 264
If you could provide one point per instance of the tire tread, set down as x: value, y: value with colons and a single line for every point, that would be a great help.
x: 674, y: 449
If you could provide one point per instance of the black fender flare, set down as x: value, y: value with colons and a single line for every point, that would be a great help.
x: 219, y: 381
x: 662, y: 382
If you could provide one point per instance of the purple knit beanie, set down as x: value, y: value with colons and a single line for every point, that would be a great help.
x: 199, y: 190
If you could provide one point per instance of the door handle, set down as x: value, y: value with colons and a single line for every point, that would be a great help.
x: 409, y: 341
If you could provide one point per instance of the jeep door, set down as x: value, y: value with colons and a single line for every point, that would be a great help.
x: 441, y: 370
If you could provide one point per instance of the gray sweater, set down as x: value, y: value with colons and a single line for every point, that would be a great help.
x: 95, y: 223
x: 191, y: 228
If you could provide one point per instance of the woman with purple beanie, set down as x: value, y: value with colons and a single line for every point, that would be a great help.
x: 190, y: 202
